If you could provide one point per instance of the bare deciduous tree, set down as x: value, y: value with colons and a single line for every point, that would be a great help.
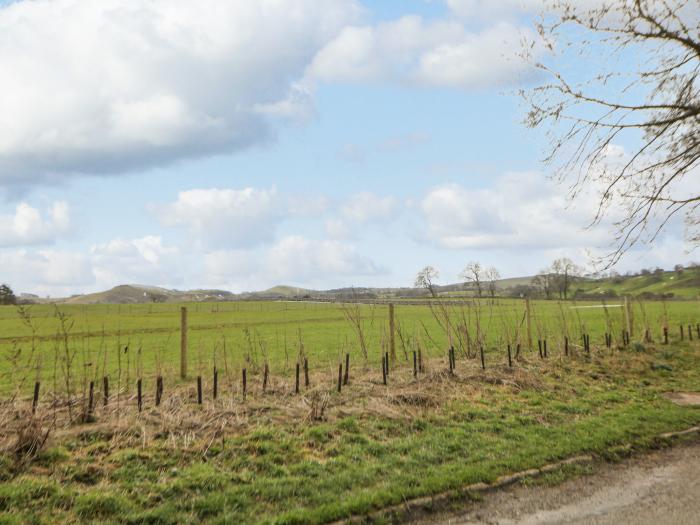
x: 564, y: 271
x: 473, y: 273
x: 544, y: 280
x: 643, y: 90
x: 492, y: 275
x: 426, y: 279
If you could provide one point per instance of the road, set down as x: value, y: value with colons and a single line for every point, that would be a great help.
x: 659, y: 488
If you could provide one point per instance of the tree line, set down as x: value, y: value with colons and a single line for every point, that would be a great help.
x: 555, y: 280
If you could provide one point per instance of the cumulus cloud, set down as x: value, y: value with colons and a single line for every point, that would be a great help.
x: 144, y: 260
x: 411, y: 50
x: 28, y: 226
x: 359, y: 210
x: 224, y: 217
x: 301, y: 259
x: 365, y: 206
x: 293, y: 259
x: 46, y: 271
x: 104, y: 87
x: 522, y: 210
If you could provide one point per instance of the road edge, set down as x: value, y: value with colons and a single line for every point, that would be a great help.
x: 429, y: 504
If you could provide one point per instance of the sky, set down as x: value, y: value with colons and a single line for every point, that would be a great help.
x: 241, y: 145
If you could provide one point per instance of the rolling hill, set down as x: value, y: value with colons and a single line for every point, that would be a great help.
x: 668, y: 284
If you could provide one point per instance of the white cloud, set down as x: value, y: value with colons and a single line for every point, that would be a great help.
x: 411, y: 50
x: 46, y: 271
x: 224, y: 217
x: 95, y: 87
x: 300, y: 259
x: 294, y: 259
x: 522, y: 210
x: 365, y: 206
x: 359, y: 210
x: 27, y: 226
x: 145, y: 260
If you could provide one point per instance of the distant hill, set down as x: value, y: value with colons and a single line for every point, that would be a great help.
x: 685, y: 284
x: 134, y: 294
x: 284, y: 291
x: 669, y: 284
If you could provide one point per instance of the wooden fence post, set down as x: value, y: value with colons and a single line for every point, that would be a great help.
x: 159, y: 390
x: 629, y: 316
x: 346, y: 379
x: 392, y: 332
x: 105, y: 390
x: 139, y: 394
x: 91, y: 400
x: 183, y: 342
x: 528, y: 320
x: 35, y: 399
x: 384, y: 368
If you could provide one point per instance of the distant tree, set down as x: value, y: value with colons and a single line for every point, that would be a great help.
x: 616, y: 278
x: 426, y: 279
x: 7, y: 296
x: 658, y: 274
x: 523, y: 290
x: 544, y: 281
x: 678, y: 269
x: 565, y: 271
x: 645, y: 272
x: 492, y: 275
x: 473, y: 273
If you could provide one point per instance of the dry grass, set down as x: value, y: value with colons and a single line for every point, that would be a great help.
x: 183, y: 423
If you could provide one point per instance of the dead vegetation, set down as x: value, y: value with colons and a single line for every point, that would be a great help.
x: 181, y: 422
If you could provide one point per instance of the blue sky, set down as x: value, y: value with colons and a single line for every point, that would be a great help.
x: 310, y: 143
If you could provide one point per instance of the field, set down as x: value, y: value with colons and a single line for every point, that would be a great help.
x: 322, y: 455
x: 685, y: 284
x: 129, y: 341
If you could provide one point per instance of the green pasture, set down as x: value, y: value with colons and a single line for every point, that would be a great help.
x: 298, y: 471
x: 139, y: 340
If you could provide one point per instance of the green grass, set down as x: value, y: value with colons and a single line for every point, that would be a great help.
x: 294, y: 471
x: 685, y: 285
x: 234, y: 335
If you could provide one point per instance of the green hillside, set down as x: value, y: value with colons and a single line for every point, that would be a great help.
x: 683, y: 285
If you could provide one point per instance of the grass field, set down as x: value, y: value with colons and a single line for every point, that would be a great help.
x: 277, y: 458
x: 93, y: 339
x: 684, y: 285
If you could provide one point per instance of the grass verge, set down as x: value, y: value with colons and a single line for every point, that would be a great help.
x: 275, y: 464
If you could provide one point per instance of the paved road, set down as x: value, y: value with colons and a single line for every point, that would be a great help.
x: 660, y: 488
